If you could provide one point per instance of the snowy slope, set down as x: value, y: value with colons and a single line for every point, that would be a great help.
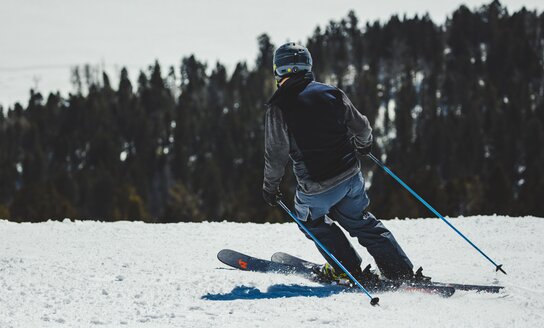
x: 82, y: 274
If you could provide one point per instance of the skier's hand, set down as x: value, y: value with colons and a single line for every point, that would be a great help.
x: 272, y: 198
x: 362, y: 148
x: 364, y: 151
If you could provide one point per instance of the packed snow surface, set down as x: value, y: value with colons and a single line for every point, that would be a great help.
x: 82, y: 274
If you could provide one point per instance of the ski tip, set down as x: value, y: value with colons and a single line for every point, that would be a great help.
x: 279, y: 255
x: 375, y: 301
x: 222, y: 252
x: 499, y: 268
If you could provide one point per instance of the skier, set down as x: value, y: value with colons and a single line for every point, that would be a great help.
x: 317, y: 126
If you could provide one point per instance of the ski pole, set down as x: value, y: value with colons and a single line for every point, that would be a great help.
x: 373, y: 300
x: 380, y: 164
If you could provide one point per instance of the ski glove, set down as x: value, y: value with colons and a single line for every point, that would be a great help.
x: 364, y: 151
x: 272, y: 198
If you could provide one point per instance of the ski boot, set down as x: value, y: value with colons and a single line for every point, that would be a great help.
x: 327, y: 273
x: 368, y: 277
x: 419, y: 277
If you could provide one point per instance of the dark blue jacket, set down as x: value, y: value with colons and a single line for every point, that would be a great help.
x: 317, y: 126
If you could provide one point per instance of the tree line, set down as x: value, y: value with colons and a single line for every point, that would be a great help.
x: 457, y: 111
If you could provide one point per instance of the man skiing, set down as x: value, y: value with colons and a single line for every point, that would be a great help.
x: 317, y: 126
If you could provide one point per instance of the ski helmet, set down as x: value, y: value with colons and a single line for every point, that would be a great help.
x: 291, y: 58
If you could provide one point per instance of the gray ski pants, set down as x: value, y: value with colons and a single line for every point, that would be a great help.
x: 346, y: 204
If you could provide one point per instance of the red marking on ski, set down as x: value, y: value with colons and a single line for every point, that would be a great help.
x: 242, y: 264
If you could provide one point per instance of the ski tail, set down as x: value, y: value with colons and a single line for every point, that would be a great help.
x: 468, y: 287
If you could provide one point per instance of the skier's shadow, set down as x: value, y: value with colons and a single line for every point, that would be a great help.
x: 274, y: 291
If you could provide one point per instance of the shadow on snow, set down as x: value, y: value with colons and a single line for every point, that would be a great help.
x: 275, y: 291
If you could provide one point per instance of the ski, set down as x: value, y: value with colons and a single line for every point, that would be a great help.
x: 249, y: 263
x: 294, y: 261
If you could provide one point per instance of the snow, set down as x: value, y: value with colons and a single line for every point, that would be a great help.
x: 86, y: 273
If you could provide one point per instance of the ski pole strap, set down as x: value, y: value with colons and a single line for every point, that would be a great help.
x: 388, y: 171
x: 373, y: 300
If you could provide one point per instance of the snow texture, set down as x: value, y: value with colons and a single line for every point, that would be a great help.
x: 86, y: 274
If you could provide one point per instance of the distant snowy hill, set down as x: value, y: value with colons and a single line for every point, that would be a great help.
x: 82, y: 274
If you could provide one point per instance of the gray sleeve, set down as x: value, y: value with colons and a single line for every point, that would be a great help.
x: 358, y: 125
x: 276, y: 153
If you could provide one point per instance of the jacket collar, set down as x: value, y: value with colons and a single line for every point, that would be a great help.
x: 292, y: 87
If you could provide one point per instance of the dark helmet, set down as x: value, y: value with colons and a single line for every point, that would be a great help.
x: 291, y: 58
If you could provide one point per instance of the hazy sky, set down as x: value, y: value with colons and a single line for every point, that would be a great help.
x: 40, y: 40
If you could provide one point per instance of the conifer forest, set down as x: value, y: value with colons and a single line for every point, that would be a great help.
x: 457, y: 111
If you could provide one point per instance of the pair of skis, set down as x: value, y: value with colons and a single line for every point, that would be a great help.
x: 284, y: 263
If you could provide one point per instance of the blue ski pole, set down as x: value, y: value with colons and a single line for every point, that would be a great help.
x: 373, y: 300
x: 380, y: 164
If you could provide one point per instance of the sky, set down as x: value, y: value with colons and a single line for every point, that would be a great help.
x: 41, y: 40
